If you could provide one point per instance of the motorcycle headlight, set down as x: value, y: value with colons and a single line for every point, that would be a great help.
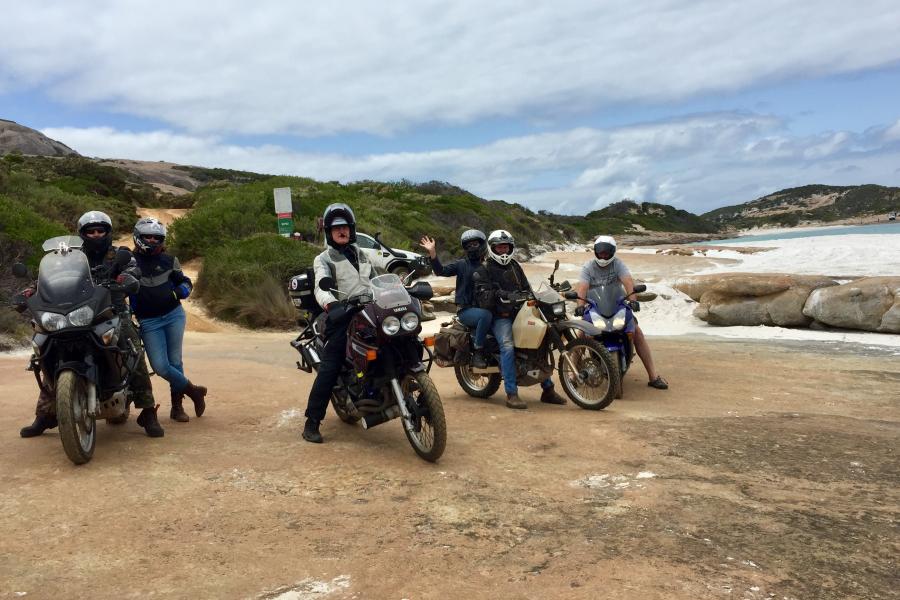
x: 81, y: 317
x: 559, y: 309
x: 391, y: 325
x: 618, y: 321
x: 53, y: 321
x: 409, y: 321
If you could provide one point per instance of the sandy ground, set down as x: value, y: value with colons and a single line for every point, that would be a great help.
x: 764, y: 472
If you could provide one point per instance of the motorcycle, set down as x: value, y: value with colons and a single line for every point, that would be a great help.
x: 387, y: 365
x: 611, y: 311
x: 540, y: 330
x: 78, y: 353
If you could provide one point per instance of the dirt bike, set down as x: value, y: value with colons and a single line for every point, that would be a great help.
x: 79, y: 355
x: 385, y: 374
x: 611, y: 311
x: 540, y: 330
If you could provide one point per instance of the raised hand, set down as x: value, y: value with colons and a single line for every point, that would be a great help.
x: 429, y: 245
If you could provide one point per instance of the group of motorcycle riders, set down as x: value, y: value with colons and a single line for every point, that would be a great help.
x: 487, y: 277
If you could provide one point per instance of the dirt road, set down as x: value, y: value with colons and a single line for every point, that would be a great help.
x: 763, y: 473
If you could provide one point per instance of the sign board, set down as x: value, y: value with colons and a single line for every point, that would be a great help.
x: 285, y: 211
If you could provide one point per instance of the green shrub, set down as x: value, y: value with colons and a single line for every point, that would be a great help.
x: 245, y: 281
x: 22, y: 231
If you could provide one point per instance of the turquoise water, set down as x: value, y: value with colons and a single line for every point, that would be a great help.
x: 882, y: 228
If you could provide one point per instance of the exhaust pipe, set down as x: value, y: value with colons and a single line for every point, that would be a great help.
x: 310, y: 356
x: 370, y: 421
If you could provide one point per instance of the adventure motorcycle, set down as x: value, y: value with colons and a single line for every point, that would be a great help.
x: 78, y: 353
x: 611, y: 311
x: 385, y: 374
x: 540, y: 329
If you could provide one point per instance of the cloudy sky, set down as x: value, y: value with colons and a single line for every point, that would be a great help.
x: 564, y: 106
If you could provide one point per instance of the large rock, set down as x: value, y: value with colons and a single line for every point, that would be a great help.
x: 18, y: 138
x: 870, y: 304
x: 752, y: 298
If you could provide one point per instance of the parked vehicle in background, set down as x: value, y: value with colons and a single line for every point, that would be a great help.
x: 892, y: 216
x: 383, y: 258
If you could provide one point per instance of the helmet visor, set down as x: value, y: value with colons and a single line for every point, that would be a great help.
x: 604, y: 251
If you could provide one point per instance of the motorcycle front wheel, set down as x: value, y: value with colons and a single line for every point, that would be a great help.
x: 593, y: 383
x: 427, y: 430
x: 77, y: 429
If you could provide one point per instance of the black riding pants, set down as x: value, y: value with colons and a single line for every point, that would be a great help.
x: 329, y: 371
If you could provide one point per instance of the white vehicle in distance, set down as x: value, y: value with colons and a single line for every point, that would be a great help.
x: 384, y: 259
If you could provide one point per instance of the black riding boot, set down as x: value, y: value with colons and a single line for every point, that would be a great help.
x: 311, y: 432
x: 197, y: 394
x: 41, y: 424
x: 177, y: 413
x: 147, y: 419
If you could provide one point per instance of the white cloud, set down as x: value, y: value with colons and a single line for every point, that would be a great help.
x: 279, y: 67
x: 696, y: 163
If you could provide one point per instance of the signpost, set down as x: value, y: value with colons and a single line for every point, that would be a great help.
x: 285, y: 211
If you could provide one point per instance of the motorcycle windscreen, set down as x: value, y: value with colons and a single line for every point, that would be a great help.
x: 607, y: 297
x: 65, y: 279
x: 69, y: 241
x: 388, y: 291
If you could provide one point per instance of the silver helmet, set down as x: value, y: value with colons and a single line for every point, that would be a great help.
x: 149, y: 226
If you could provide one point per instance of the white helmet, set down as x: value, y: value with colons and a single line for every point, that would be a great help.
x: 501, y: 236
x: 604, y: 246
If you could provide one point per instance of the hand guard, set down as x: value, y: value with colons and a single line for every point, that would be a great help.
x: 580, y: 310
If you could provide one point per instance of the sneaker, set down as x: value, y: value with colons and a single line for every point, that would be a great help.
x: 659, y: 383
x: 549, y: 396
x: 513, y: 401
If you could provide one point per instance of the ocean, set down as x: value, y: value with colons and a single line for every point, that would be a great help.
x: 787, y: 234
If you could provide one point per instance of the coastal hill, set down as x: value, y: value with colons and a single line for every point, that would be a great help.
x: 809, y: 205
x: 18, y: 138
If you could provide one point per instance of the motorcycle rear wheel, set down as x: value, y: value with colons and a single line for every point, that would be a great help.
x: 77, y: 429
x: 477, y: 385
x: 601, y: 376
x: 431, y: 438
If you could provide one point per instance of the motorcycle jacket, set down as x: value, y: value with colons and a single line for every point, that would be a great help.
x: 163, y: 285
x: 350, y: 270
x: 493, y: 284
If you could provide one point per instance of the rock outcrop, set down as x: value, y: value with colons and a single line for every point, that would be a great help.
x: 18, y: 138
x: 870, y: 304
x: 752, y: 298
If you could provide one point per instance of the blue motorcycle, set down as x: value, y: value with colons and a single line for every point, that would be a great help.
x: 610, y: 310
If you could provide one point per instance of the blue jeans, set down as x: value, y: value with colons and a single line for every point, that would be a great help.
x: 163, y: 337
x: 478, y: 319
x: 503, y: 332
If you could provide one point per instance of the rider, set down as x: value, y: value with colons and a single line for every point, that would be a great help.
x: 157, y: 307
x: 350, y: 271
x: 495, y: 283
x: 606, y: 268
x: 95, y: 230
x: 474, y: 244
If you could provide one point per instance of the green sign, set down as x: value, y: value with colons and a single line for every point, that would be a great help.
x: 285, y: 225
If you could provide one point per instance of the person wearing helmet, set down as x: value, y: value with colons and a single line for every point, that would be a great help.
x: 95, y: 231
x: 474, y: 245
x: 495, y: 282
x: 157, y: 306
x: 349, y: 273
x: 606, y: 268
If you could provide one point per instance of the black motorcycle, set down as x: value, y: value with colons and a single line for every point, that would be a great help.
x: 541, y: 329
x: 386, y: 368
x: 78, y: 353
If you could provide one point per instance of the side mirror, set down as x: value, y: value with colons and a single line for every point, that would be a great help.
x: 123, y: 257
x: 421, y: 266
x: 20, y: 270
x: 640, y: 288
x: 326, y: 284
x: 556, y: 265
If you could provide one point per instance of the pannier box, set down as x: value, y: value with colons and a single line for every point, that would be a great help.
x: 300, y: 288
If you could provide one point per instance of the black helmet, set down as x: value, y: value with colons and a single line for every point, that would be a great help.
x: 338, y: 214
x: 93, y: 220
x: 149, y: 226
x: 472, y: 250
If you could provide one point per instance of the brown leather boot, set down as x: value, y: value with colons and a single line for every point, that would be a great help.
x: 513, y: 401
x: 177, y: 413
x: 197, y: 394
x: 549, y: 396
